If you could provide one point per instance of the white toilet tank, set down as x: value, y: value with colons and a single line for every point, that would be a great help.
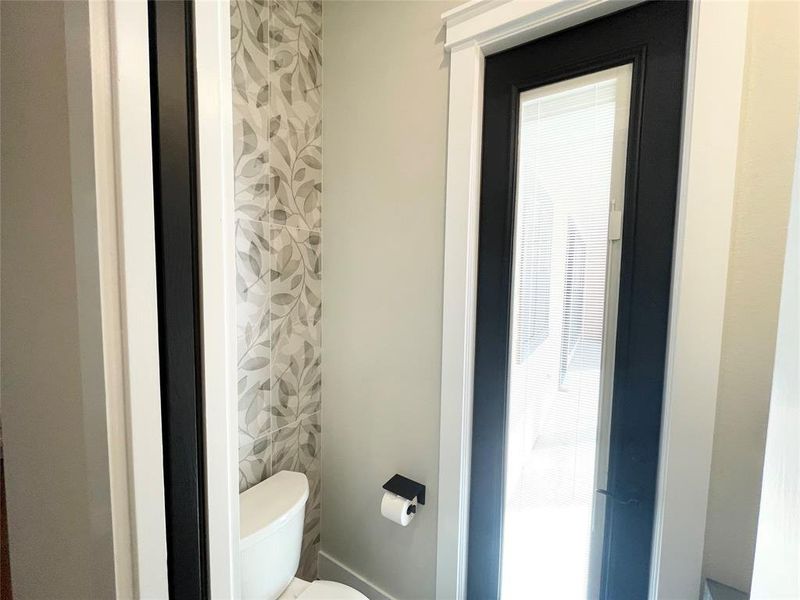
x: 271, y: 516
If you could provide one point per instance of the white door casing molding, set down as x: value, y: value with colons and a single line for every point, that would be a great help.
x: 108, y: 57
x: 118, y: 43
x: 94, y: 212
x: 218, y: 292
x: 712, y: 103
x: 717, y: 37
x: 130, y: 89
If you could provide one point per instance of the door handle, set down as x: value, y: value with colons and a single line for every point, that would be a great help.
x: 625, y: 502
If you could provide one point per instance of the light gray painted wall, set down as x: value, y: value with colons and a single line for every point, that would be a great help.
x: 385, y: 122
x: 56, y: 525
x: 776, y: 571
x: 385, y: 127
x: 765, y: 165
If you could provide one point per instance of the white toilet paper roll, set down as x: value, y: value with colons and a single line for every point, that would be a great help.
x: 395, y: 508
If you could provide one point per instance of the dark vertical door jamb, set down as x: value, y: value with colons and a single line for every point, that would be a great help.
x: 171, y: 29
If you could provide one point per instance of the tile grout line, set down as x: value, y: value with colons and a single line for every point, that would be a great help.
x: 273, y: 224
x: 271, y: 431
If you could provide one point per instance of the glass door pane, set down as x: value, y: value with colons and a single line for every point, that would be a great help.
x: 570, y: 181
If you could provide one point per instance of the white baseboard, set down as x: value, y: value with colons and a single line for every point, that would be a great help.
x: 333, y: 570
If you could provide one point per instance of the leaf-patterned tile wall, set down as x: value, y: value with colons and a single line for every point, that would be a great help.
x: 255, y: 462
x: 296, y: 447
x: 251, y: 159
x: 295, y: 79
x: 296, y: 275
x: 249, y: 47
x: 296, y: 385
x: 296, y: 312
x: 276, y: 65
x: 250, y: 76
x: 253, y: 324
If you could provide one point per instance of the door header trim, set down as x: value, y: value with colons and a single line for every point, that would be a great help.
x: 497, y: 25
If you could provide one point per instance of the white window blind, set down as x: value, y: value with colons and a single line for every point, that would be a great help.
x: 570, y: 174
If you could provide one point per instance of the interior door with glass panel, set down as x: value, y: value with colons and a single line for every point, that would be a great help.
x: 581, y: 140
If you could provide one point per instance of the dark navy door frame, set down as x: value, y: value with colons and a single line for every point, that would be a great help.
x: 173, y: 113
x: 652, y: 37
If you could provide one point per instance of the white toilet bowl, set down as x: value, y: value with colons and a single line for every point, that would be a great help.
x: 271, y: 516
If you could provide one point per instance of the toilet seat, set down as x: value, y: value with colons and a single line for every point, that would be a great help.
x: 320, y: 590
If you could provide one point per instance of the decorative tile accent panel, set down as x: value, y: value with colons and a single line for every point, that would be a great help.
x: 296, y: 387
x: 253, y: 324
x: 296, y: 312
x: 250, y: 75
x: 296, y: 266
x: 296, y: 447
x: 255, y: 462
x: 251, y: 162
x: 276, y: 65
x: 289, y: 13
x: 295, y: 174
x: 295, y: 79
x: 249, y: 47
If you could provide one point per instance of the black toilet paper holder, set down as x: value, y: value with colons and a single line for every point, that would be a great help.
x: 406, y: 488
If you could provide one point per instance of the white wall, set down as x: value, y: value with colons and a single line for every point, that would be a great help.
x: 765, y: 165
x: 59, y: 520
x: 385, y: 126
x: 775, y: 572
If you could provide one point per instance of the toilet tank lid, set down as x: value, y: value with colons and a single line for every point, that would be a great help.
x: 267, y: 506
